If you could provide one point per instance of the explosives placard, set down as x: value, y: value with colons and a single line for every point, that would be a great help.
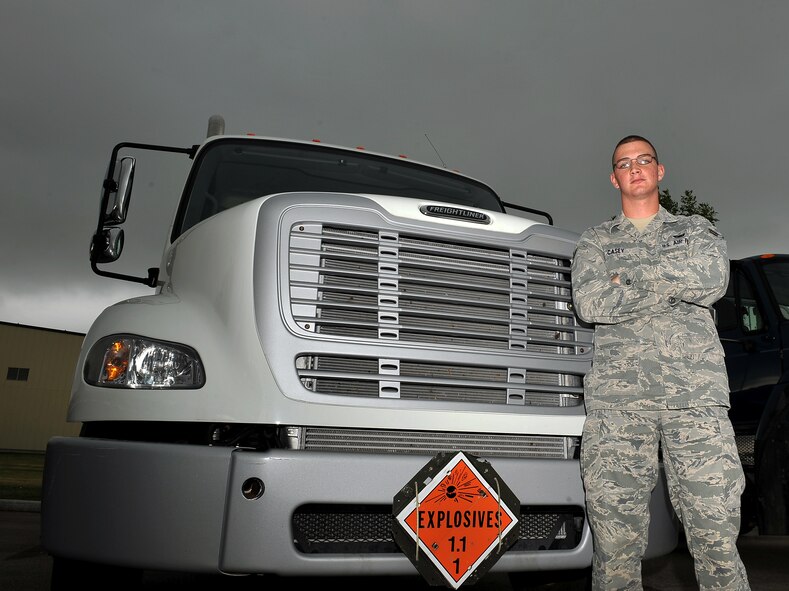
x: 455, y: 519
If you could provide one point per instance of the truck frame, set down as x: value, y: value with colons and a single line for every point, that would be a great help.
x: 324, y: 321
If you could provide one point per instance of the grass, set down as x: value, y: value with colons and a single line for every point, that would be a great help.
x: 20, y: 475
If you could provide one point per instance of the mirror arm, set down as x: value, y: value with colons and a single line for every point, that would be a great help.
x: 530, y: 210
x: 150, y: 280
x: 109, y: 185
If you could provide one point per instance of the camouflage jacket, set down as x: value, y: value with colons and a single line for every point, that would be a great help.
x: 655, y: 341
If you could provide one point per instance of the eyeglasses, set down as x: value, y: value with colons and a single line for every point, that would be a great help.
x: 627, y: 163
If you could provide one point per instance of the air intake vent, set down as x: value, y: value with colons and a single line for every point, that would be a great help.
x: 367, y: 529
x: 487, y: 445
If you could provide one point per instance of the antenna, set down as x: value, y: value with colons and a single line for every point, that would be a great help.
x: 436, y: 151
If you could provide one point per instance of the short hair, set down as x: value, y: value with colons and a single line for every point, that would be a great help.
x: 633, y: 138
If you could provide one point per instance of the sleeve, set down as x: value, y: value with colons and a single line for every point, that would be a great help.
x: 600, y: 301
x: 700, y: 278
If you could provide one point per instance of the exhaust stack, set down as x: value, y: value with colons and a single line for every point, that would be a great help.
x: 216, y: 125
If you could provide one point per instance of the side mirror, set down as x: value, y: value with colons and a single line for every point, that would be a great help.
x: 107, y: 246
x: 120, y: 192
x: 107, y: 243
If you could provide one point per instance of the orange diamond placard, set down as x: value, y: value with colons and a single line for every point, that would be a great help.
x: 456, y: 519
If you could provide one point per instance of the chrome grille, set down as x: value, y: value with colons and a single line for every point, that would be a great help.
x: 385, y: 286
x: 423, y: 380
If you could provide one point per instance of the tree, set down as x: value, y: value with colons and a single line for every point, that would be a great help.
x: 688, y: 205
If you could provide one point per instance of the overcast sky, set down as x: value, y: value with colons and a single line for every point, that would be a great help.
x: 529, y: 96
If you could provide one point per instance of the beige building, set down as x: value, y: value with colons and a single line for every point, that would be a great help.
x: 36, y: 370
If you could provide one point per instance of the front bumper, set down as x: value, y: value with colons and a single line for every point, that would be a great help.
x: 182, y: 507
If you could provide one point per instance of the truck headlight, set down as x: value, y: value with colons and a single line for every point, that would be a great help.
x: 126, y: 361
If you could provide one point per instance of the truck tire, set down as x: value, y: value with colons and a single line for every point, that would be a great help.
x: 69, y: 575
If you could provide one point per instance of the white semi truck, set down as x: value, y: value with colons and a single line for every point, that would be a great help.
x: 323, y: 322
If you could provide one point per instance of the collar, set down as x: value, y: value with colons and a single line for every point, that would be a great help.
x: 663, y: 216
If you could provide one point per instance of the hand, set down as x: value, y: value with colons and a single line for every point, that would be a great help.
x: 615, y: 278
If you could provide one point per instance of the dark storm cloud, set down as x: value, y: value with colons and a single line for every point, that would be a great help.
x: 527, y: 96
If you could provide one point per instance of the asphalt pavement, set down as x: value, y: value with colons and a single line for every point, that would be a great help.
x: 25, y: 566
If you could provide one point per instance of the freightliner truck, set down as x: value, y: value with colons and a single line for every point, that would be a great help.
x: 753, y: 324
x: 323, y: 322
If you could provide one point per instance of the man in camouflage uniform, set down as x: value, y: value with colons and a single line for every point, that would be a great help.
x: 646, y: 280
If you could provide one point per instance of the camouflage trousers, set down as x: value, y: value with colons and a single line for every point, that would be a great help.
x: 620, y: 466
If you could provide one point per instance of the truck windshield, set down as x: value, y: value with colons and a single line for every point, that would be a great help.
x: 777, y: 274
x: 234, y: 171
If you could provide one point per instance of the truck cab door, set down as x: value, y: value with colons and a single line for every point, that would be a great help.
x: 752, y: 346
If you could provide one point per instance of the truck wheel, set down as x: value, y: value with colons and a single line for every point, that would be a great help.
x: 68, y: 574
